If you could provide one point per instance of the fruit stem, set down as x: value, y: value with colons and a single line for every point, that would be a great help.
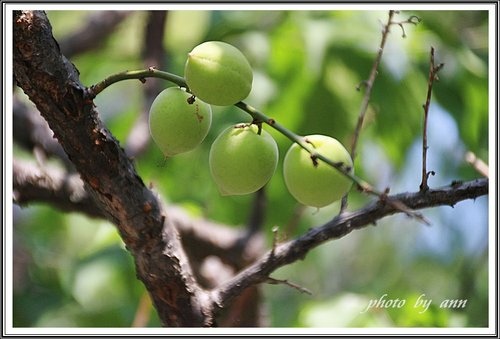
x: 141, y: 75
x: 302, y: 142
x: 258, y: 117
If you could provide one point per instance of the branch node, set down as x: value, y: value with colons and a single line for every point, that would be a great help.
x: 363, y: 83
x: 259, y: 125
x: 385, y: 199
x: 314, y: 159
x: 191, y: 99
x: 414, y: 20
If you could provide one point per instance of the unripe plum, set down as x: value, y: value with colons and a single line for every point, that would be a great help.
x: 218, y: 73
x: 315, y: 183
x: 177, y: 126
x: 241, y: 160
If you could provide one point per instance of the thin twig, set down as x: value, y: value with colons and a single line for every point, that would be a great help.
x: 362, y: 185
x: 258, y: 117
x: 140, y: 75
x: 301, y: 289
x: 411, y: 20
x: 368, y: 85
x: 340, y: 166
x: 433, y: 70
x: 339, y: 227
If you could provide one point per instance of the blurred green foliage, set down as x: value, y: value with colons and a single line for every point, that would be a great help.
x: 74, y: 271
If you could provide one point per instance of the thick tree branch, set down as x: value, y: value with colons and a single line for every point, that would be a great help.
x: 52, y: 83
x: 340, y: 226
x: 53, y: 186
x: 65, y: 191
x: 205, y: 238
x: 32, y: 133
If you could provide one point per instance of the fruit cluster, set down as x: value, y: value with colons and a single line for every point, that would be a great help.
x: 244, y: 157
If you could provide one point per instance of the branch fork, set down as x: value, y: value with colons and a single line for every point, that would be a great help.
x: 414, y: 20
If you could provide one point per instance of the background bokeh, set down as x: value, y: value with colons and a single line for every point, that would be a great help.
x: 71, y: 270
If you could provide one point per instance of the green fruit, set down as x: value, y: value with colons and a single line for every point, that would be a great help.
x: 317, y: 184
x: 177, y: 126
x: 241, y: 160
x: 218, y: 73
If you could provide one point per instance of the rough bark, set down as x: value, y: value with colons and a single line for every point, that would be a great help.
x: 342, y: 225
x: 52, y: 83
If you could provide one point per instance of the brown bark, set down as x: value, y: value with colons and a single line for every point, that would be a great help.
x: 52, y: 83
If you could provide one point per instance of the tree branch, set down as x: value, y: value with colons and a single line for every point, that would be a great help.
x: 33, y: 134
x: 340, y: 226
x: 433, y: 70
x: 65, y: 191
x: 368, y: 85
x: 201, y: 238
x: 258, y: 118
x: 52, y: 83
x: 53, y: 186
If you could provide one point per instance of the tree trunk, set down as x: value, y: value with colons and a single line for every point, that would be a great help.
x: 52, y: 83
